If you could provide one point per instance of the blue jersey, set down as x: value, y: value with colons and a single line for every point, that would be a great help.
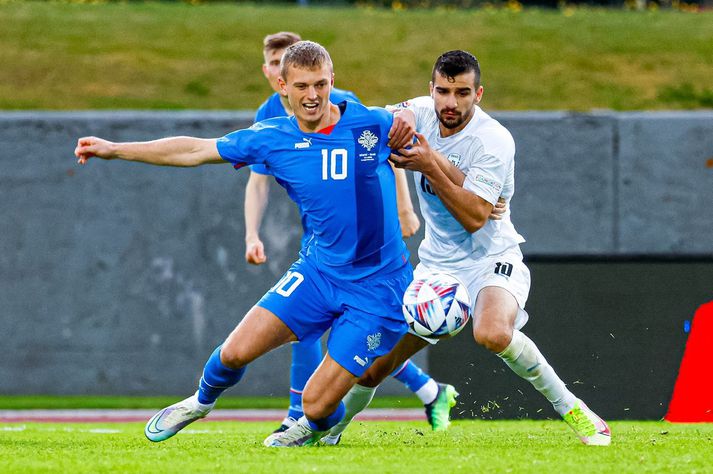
x: 273, y: 107
x: 342, y: 182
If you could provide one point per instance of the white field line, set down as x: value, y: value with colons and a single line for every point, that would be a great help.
x: 122, y: 416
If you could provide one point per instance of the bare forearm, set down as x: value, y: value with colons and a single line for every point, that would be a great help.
x: 451, y: 171
x: 403, y: 197
x: 471, y: 211
x: 175, y: 151
x: 256, y: 198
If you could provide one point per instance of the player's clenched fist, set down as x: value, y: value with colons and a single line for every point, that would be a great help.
x: 255, y: 252
x: 89, y: 147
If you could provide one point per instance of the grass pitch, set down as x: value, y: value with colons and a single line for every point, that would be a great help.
x: 173, y: 55
x: 368, y: 447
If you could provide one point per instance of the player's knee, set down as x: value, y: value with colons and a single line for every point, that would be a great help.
x: 370, y: 379
x: 495, y: 339
x: 232, y: 357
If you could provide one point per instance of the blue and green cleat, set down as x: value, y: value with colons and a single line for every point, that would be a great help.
x: 438, y: 412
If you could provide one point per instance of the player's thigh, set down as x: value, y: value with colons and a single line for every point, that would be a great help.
x: 383, y: 366
x: 259, y: 332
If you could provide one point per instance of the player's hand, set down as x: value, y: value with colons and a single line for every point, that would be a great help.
x: 90, y: 147
x: 409, y: 223
x: 402, y: 130
x: 498, y: 210
x: 255, y: 252
x: 418, y: 157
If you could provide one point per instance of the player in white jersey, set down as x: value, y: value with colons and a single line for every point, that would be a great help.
x: 463, y: 161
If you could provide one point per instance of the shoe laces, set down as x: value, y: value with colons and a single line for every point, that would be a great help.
x: 297, y: 435
x: 581, y: 423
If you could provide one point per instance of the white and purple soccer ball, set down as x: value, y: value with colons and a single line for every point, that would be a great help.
x: 436, y: 306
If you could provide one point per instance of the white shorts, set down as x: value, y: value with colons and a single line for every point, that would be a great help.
x: 505, y: 270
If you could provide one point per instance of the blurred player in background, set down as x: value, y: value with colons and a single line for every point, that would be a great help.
x: 437, y: 398
x: 459, y: 181
x: 351, y: 275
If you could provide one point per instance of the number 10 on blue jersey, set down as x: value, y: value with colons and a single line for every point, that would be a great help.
x: 334, y: 164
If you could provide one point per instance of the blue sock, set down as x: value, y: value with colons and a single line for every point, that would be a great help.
x: 411, y: 375
x: 305, y: 360
x: 324, y: 424
x: 217, y: 378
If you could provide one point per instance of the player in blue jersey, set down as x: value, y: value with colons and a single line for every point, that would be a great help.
x: 307, y: 356
x: 352, y: 273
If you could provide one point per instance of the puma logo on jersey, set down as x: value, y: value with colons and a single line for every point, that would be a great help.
x: 306, y: 143
x: 361, y: 361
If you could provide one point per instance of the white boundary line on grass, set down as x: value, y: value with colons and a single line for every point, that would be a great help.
x: 125, y: 416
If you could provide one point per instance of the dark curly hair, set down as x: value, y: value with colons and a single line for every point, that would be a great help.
x: 453, y: 63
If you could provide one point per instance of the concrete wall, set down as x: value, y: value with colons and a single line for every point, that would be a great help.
x: 121, y: 278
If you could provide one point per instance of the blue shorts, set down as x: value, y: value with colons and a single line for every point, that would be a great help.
x: 365, y: 316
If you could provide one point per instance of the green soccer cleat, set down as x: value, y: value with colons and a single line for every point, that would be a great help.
x: 173, y: 419
x: 299, y: 434
x: 439, y: 410
x: 588, y: 427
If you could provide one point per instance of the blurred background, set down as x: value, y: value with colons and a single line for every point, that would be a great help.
x: 120, y: 279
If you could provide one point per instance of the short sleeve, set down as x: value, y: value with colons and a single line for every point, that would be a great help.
x: 489, y: 169
x: 260, y: 169
x: 420, y: 106
x: 241, y: 147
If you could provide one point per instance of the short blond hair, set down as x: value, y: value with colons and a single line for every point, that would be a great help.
x: 280, y: 40
x: 305, y: 55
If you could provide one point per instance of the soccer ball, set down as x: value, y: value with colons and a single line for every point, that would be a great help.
x: 436, y: 306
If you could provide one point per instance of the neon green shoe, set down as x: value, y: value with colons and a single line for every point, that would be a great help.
x: 439, y: 410
x: 588, y: 427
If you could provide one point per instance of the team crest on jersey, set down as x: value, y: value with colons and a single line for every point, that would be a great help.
x: 366, y: 144
x: 454, y: 158
x: 373, y: 341
x: 368, y: 140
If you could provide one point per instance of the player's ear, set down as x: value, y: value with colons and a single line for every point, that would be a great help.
x: 478, y: 94
x: 430, y: 88
x: 332, y: 84
x: 283, y: 86
x: 264, y: 71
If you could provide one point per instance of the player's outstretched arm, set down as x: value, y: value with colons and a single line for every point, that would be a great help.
x: 256, y: 198
x: 175, y: 151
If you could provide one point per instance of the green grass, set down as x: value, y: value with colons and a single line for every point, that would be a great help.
x: 374, y: 447
x: 27, y: 402
x: 66, y: 56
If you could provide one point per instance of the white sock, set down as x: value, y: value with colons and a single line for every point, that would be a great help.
x: 202, y: 406
x: 523, y: 357
x: 356, y: 400
x: 428, y: 392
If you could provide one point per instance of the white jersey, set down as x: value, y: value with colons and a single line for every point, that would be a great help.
x: 485, y: 152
